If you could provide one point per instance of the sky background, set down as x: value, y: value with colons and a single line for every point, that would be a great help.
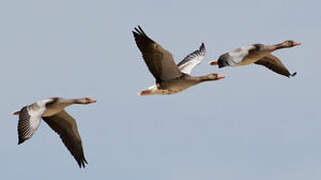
x: 254, y: 124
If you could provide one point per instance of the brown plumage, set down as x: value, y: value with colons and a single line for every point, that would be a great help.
x: 170, y: 79
x: 258, y: 54
x: 274, y: 64
x: 52, y: 112
x: 66, y: 127
x: 159, y: 61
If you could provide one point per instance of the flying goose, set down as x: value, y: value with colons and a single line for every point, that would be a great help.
x: 52, y: 112
x: 257, y: 54
x: 170, y: 78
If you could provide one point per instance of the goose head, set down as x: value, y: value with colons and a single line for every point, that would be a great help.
x: 85, y: 100
x: 212, y: 77
x: 215, y: 76
x: 290, y: 43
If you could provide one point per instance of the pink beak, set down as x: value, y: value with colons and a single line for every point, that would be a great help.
x: 92, y: 100
x: 220, y: 76
x: 296, y: 43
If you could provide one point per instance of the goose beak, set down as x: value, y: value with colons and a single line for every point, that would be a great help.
x: 220, y: 76
x: 16, y: 113
x: 213, y: 63
x: 296, y: 43
x: 92, y: 101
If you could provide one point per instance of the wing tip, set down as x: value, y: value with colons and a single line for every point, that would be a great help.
x: 139, y: 33
x: 82, y: 163
x: 21, y: 140
x: 202, y: 48
x: 293, y: 74
x: 139, y: 30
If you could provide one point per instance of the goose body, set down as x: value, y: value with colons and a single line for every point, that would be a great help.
x: 176, y: 85
x: 257, y: 54
x: 52, y: 111
x: 170, y: 78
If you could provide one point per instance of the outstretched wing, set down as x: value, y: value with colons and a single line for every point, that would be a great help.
x: 160, y: 62
x: 274, y: 64
x: 29, y: 121
x: 192, y: 60
x: 65, y: 125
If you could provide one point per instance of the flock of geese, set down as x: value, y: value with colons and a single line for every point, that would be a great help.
x: 170, y: 79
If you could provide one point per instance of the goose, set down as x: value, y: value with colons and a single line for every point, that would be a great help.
x: 258, y: 54
x: 170, y: 78
x: 52, y: 111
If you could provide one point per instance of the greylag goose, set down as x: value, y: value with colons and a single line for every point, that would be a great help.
x: 257, y: 54
x: 170, y: 78
x: 52, y: 112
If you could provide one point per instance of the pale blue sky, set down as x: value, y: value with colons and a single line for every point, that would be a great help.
x: 252, y: 125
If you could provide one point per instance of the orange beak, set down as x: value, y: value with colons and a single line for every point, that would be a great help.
x: 213, y: 63
x: 92, y: 101
x: 220, y: 76
x: 16, y: 113
x: 296, y: 43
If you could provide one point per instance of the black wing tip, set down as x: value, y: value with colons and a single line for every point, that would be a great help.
x: 21, y: 141
x: 141, y: 30
x: 292, y: 75
x: 202, y: 47
x: 138, y: 30
x: 82, y: 163
x: 135, y: 33
x: 140, y: 35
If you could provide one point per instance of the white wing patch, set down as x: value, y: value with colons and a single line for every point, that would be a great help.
x: 239, y: 54
x: 35, y: 117
x: 192, y: 60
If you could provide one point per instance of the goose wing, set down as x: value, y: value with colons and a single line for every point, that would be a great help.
x: 274, y: 64
x: 192, y: 60
x: 65, y: 126
x: 239, y: 54
x: 160, y: 62
x: 30, y: 119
